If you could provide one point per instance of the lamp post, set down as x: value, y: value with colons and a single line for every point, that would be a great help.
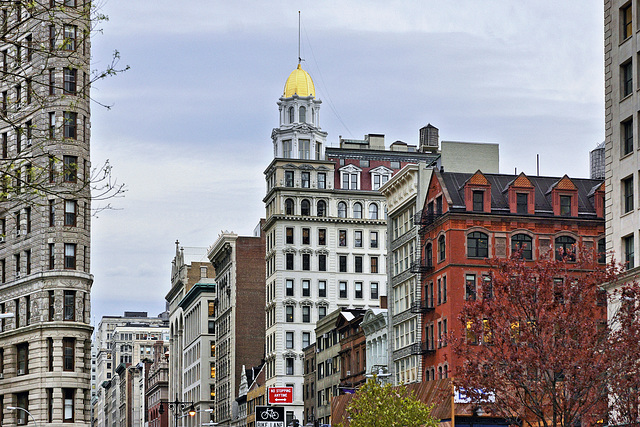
x: 176, y: 406
x: 16, y: 408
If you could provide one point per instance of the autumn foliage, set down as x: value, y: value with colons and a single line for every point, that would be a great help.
x: 539, y: 347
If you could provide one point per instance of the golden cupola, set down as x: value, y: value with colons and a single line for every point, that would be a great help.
x: 299, y: 83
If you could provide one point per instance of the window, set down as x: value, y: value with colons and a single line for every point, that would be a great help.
x: 306, y: 262
x: 70, y: 207
x: 306, y: 314
x: 23, y: 402
x: 470, y: 287
x: 439, y: 205
x: 286, y: 147
x: 289, y: 235
x: 306, y: 236
x: 321, y: 208
x: 628, y: 245
x: 358, y: 290
x: 343, y: 263
x: 357, y: 210
x: 68, y: 404
x: 342, y: 237
x: 305, y: 179
x: 305, y: 207
x: 52, y: 128
x: 322, y: 262
x: 289, y: 365
x: 626, y: 79
x: 69, y: 37
x: 289, y: 208
x: 374, y: 264
x: 289, y: 313
x: 70, y: 256
x: 342, y: 210
x: 289, y: 340
x: 302, y: 114
x: 349, y: 181
x: 306, y: 339
x: 477, y: 245
x: 522, y: 203
x: 602, y: 251
x: 288, y: 178
x: 374, y: 290
x: 565, y: 248
x: 22, y: 361
x: 322, y: 180
x: 627, y: 194
x: 342, y: 288
x: 626, y: 22
x: 322, y: 289
x: 52, y: 81
x: 441, y: 248
x: 306, y: 288
x: 289, y: 288
x: 322, y: 312
x: 70, y: 164
x: 357, y: 239
x: 379, y: 180
x: 565, y: 205
x: 303, y: 149
x: 357, y: 263
x: 212, y: 370
x: 373, y: 239
x: 69, y: 308
x: 68, y: 353
x: 478, y: 201
x: 70, y: 78
x: 322, y: 236
x: 292, y: 117
x: 52, y: 300
x: 522, y: 243
x: 373, y: 211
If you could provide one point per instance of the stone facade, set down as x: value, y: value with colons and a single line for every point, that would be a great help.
x: 45, y: 278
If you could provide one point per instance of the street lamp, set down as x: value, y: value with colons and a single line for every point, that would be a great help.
x: 16, y: 408
x: 176, y: 406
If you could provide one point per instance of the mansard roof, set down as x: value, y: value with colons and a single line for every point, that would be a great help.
x: 454, y: 184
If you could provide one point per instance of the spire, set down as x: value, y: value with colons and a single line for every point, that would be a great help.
x: 299, y: 57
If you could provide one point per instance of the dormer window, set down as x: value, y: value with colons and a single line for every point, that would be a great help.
x: 350, y: 177
x: 478, y: 201
x: 522, y: 203
x: 379, y: 176
x: 565, y: 205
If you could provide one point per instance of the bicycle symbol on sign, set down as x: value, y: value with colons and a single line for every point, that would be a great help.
x: 269, y: 414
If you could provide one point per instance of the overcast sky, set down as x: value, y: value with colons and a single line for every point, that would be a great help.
x: 190, y: 124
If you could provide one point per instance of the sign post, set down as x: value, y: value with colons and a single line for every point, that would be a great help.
x: 270, y: 416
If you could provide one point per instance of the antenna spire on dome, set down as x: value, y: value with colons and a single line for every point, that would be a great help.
x: 299, y: 58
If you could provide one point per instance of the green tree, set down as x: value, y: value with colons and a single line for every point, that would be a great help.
x: 376, y: 405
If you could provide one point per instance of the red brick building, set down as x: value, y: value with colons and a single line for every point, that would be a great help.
x: 468, y: 218
x: 353, y: 350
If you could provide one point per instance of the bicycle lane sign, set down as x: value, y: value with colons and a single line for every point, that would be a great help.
x: 270, y: 416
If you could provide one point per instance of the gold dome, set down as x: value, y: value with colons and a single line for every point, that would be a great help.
x: 299, y: 83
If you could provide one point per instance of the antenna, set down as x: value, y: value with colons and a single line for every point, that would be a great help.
x: 299, y: 58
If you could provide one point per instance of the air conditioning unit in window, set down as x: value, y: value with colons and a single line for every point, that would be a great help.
x: 20, y: 371
x: 1, y: 376
x: 348, y: 373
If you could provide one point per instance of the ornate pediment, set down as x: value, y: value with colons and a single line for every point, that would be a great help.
x: 289, y: 301
x: 381, y: 170
x: 289, y: 250
x: 322, y: 303
x: 350, y: 169
x: 306, y: 302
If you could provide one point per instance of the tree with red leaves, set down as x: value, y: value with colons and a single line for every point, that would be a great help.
x: 539, y: 348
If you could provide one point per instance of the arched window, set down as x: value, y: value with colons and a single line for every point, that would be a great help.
x: 322, y: 208
x: 291, y: 114
x: 342, y: 210
x: 305, y: 208
x: 477, y: 245
x: 357, y: 210
x: 428, y: 255
x: 441, y: 248
x: 373, y: 211
x: 523, y: 243
x: 289, y: 208
x: 302, y: 115
x: 565, y: 248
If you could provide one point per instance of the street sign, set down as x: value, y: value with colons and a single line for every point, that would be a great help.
x: 270, y: 416
x: 280, y: 395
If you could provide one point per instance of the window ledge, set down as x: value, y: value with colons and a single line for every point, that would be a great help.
x: 624, y: 156
x: 625, y: 97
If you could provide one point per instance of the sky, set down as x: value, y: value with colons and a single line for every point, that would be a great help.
x: 189, y: 125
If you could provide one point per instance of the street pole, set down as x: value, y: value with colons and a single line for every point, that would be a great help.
x: 16, y: 408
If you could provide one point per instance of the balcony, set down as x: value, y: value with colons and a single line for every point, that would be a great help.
x: 425, y: 218
x: 419, y: 267
x: 422, y: 306
x: 422, y: 348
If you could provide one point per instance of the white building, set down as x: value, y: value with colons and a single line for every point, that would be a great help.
x: 325, y: 229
